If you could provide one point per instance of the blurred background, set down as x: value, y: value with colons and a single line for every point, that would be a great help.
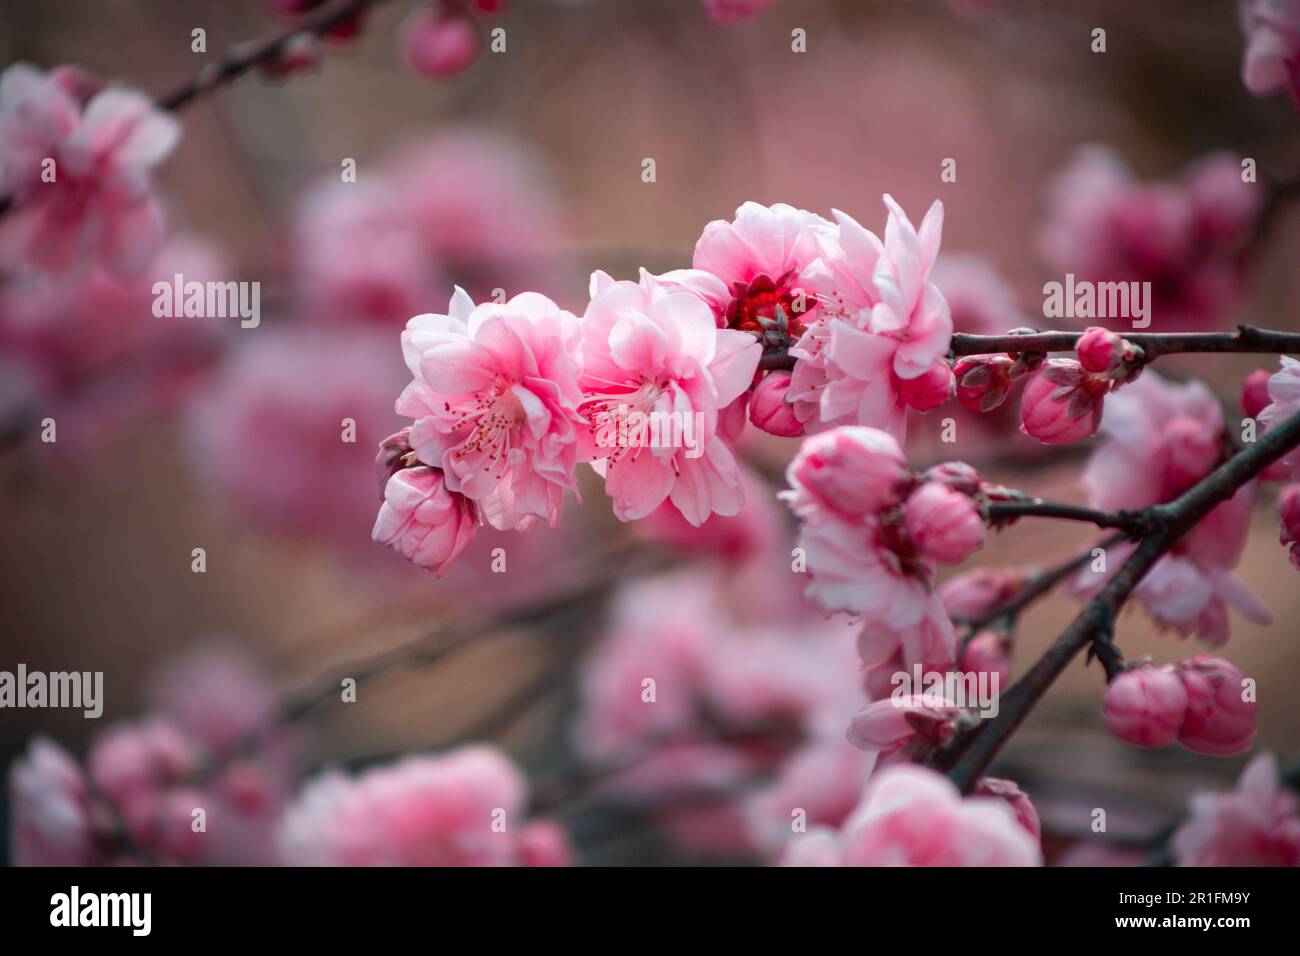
x: 525, y: 172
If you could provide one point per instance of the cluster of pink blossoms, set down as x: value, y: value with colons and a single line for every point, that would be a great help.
x: 76, y: 165
x: 507, y: 397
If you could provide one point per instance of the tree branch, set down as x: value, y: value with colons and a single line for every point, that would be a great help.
x: 969, y: 754
x: 242, y: 57
x: 1134, y: 523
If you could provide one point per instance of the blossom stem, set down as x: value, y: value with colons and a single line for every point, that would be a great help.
x: 967, y: 756
x: 242, y: 57
x: 1135, y: 523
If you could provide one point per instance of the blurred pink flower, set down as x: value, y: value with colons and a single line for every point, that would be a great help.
x: 462, y: 808
x: 270, y: 433
x: 1257, y: 824
x: 986, y: 653
x: 424, y: 522
x: 734, y: 11
x: 461, y: 206
x: 910, y: 725
x: 1272, y: 58
x: 50, y: 814
x: 978, y: 298
x: 913, y: 816
x: 88, y: 352
x: 95, y: 203
x: 1159, y: 439
x: 882, y: 330
x: 1220, y: 717
x: 1146, y: 705
x: 1284, y: 403
x: 975, y: 593
x: 1288, y: 504
x: 1254, y: 392
x: 495, y: 403
x: 657, y: 353
x: 1181, y: 237
x: 438, y: 43
x: 1016, y: 799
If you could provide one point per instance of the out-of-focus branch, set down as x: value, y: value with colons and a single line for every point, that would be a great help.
x: 968, y: 754
x: 1134, y: 523
x: 242, y: 57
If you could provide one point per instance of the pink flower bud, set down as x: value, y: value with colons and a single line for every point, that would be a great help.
x: 986, y: 653
x: 1219, y: 720
x: 769, y: 410
x: 943, y: 523
x: 983, y: 381
x: 929, y: 390
x: 850, y: 470
x: 1254, y: 392
x: 1188, y: 452
x: 910, y: 722
x: 1100, y: 350
x: 1062, y: 402
x: 958, y: 476
x: 1288, y: 506
x: 439, y: 45
x: 424, y: 522
x: 1017, y: 799
x: 1146, y: 705
x: 544, y: 843
x: 976, y: 593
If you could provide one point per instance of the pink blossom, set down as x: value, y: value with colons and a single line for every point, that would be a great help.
x: 659, y: 354
x: 99, y: 206
x: 769, y: 409
x: 1146, y: 705
x: 943, y: 523
x: 438, y: 44
x: 51, y: 820
x: 268, y: 432
x: 912, y: 724
x: 1257, y: 824
x: 1182, y: 237
x: 913, y: 816
x: 881, y: 323
x: 1288, y: 504
x: 1062, y: 402
x: 848, y: 471
x: 975, y: 593
x: 462, y: 808
x: 1016, y: 799
x: 734, y: 11
x: 424, y: 522
x: 1272, y: 58
x: 1254, y: 392
x: 215, y: 695
x: 986, y: 653
x: 979, y: 300
x: 1220, y: 718
x: 495, y: 402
